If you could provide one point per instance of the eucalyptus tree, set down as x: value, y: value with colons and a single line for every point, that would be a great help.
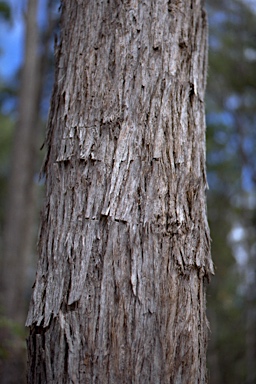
x: 124, y: 246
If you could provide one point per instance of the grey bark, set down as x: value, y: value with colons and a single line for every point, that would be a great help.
x: 124, y: 247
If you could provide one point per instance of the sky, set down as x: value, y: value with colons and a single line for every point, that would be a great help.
x: 12, y: 37
x: 11, y: 41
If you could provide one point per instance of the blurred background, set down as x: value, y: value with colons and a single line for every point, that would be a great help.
x: 27, y: 33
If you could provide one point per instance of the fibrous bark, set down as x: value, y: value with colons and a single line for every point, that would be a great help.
x: 124, y: 244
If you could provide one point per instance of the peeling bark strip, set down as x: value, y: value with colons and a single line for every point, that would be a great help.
x: 124, y: 245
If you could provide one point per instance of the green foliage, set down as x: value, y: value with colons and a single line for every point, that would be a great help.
x: 5, y: 11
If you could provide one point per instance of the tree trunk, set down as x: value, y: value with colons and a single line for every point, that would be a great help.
x: 124, y: 247
x: 18, y: 231
x: 18, y: 223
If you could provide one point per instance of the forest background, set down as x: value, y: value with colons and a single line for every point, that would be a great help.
x: 231, y: 169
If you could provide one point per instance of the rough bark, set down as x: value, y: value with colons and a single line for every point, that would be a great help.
x: 124, y: 247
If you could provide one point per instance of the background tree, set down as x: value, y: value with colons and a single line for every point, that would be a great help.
x: 17, y: 236
x: 20, y: 207
x: 18, y: 226
x: 124, y: 243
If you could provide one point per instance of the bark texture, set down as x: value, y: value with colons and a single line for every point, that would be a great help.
x: 124, y: 245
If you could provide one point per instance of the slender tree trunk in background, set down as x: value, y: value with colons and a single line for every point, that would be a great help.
x: 18, y: 235
x: 124, y: 246
x: 20, y: 207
